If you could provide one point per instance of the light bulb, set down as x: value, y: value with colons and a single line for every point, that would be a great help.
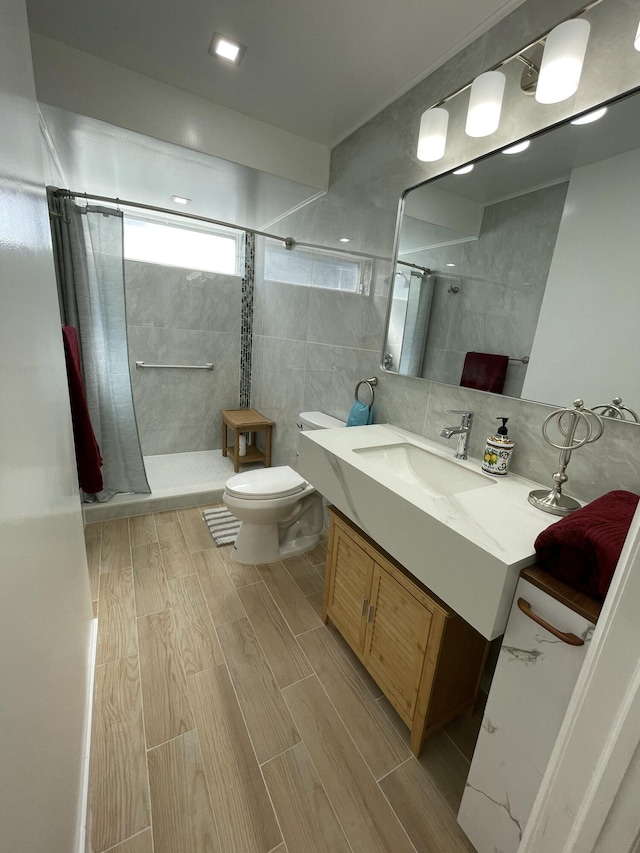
x: 433, y: 134
x: 562, y: 61
x: 485, y: 104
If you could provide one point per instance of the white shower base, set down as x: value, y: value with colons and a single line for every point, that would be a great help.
x: 176, y: 480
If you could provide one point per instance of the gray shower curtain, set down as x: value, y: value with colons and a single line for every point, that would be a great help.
x: 88, y: 252
x: 414, y: 339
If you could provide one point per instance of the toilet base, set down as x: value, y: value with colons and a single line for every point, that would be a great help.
x: 260, y: 543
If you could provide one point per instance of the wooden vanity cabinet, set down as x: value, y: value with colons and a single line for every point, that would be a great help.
x: 425, y: 658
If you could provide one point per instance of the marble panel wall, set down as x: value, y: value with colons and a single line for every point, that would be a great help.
x: 337, y: 340
x: 501, y: 278
x: 180, y: 316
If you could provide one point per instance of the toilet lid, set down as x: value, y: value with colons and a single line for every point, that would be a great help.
x: 266, y: 483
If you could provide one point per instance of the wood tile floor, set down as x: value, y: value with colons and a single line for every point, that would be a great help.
x: 229, y: 718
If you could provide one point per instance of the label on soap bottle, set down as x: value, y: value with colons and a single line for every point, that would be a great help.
x: 496, y: 457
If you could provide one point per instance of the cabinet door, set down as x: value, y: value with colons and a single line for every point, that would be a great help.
x: 350, y: 572
x: 397, y: 635
x: 529, y: 695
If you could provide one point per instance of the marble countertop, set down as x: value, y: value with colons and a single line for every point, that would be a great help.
x: 467, y: 547
x: 497, y: 518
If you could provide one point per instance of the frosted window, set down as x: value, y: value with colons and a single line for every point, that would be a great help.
x: 317, y: 268
x: 174, y: 246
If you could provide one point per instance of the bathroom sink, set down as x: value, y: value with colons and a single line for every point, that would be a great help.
x: 418, y: 466
x: 430, y: 512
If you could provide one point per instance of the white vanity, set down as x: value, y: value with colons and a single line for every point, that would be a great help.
x: 462, y: 533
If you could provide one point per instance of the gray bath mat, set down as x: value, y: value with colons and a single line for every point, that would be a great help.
x: 222, y: 525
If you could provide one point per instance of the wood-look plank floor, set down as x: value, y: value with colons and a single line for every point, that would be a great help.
x: 229, y: 720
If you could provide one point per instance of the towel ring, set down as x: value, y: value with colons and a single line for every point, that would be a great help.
x: 369, y: 383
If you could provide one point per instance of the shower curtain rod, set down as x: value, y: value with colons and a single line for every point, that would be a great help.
x: 289, y: 242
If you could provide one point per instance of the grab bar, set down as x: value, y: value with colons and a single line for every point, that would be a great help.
x: 208, y: 366
x: 369, y: 383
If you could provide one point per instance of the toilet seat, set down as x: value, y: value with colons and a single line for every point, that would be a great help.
x: 263, y: 484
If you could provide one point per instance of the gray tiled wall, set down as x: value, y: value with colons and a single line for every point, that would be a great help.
x: 338, y: 337
x: 501, y: 278
x: 179, y: 316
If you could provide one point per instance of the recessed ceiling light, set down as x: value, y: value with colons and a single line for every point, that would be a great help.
x: 464, y: 170
x: 180, y: 199
x: 594, y: 115
x: 227, y: 48
x: 516, y: 149
x: 345, y: 239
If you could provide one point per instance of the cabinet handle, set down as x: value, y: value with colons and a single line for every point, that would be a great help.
x: 571, y: 639
x: 364, y: 606
x: 370, y: 613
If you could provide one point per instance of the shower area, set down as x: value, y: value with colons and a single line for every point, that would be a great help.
x: 184, y: 337
x: 164, y: 347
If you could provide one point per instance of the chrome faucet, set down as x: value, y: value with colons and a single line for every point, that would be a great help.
x: 463, y: 431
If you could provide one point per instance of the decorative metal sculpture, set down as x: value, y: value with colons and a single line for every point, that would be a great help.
x: 554, y: 501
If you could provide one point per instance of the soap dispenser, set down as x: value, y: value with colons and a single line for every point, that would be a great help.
x: 497, y: 453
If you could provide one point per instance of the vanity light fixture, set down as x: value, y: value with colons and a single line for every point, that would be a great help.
x: 562, y: 61
x: 553, y: 68
x: 594, y: 115
x: 227, y: 48
x: 517, y: 148
x: 450, y: 265
x: 433, y: 134
x: 464, y: 170
x: 485, y: 104
x: 180, y: 199
x: 345, y: 239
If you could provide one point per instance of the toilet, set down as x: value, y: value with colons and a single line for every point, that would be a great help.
x: 281, y: 513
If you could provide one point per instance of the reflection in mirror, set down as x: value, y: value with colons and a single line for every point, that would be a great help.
x: 519, y: 276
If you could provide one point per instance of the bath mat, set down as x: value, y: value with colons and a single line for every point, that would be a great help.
x: 222, y: 525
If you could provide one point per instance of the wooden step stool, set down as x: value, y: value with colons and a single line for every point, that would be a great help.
x: 250, y: 421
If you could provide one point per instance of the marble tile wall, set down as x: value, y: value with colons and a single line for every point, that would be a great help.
x: 313, y: 347
x: 500, y: 292
x: 179, y: 316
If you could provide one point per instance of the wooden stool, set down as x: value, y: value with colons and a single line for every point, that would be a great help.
x: 251, y: 421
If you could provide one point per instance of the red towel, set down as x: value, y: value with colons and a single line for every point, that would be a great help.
x: 583, y: 548
x: 484, y: 371
x: 88, y: 457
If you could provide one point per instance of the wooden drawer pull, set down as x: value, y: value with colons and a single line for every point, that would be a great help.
x: 571, y: 639
x: 363, y: 609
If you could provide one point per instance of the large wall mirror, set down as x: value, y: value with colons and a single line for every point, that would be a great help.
x: 532, y: 256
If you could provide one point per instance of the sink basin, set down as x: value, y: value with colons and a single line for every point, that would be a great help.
x: 418, y: 466
x: 432, y: 513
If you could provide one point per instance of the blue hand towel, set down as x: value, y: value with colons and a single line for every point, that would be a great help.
x: 360, y: 415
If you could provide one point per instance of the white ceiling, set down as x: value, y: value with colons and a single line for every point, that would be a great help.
x: 95, y: 157
x: 318, y: 69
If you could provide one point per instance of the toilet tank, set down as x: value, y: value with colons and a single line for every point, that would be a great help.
x: 318, y: 420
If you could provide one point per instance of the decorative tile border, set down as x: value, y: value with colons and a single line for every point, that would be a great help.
x: 246, y: 320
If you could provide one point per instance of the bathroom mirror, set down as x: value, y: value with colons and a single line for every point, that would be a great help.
x: 532, y: 255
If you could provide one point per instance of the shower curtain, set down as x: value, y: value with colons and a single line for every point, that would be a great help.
x: 414, y: 339
x: 89, y: 259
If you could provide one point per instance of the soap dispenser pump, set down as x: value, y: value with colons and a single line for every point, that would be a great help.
x: 497, y: 453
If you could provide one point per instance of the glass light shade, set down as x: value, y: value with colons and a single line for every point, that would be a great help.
x: 636, y: 41
x: 485, y: 104
x: 562, y: 61
x: 433, y: 134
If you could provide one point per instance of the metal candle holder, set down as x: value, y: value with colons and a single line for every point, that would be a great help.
x: 554, y: 501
